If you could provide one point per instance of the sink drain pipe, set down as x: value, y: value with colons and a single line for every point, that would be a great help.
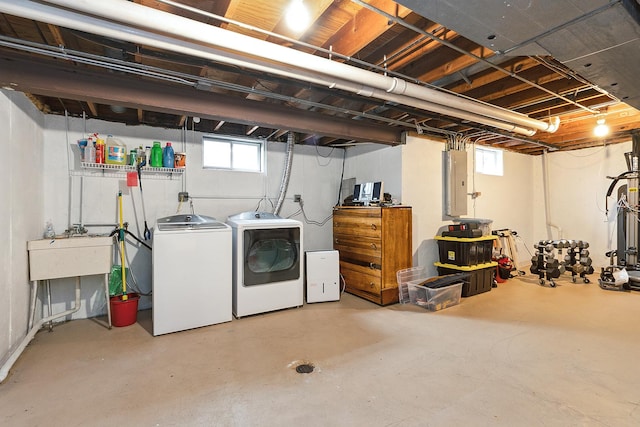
x: 6, y: 367
x: 286, y: 174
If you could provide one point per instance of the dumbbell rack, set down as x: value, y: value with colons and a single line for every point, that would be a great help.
x: 578, y: 260
x: 549, y: 264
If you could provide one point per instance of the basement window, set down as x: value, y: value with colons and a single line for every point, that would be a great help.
x: 232, y: 153
x: 489, y: 161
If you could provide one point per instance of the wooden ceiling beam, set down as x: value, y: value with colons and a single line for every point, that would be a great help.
x: 93, y: 109
x: 364, y: 27
x: 491, y: 75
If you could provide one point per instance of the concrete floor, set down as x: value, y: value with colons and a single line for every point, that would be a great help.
x: 521, y: 354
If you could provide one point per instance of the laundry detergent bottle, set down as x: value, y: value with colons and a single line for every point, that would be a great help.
x: 168, y: 156
x: 116, y: 151
x: 90, y: 151
x: 156, y: 155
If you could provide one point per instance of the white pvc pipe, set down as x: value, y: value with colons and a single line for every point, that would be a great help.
x: 156, y: 20
x: 6, y: 367
x: 80, y: 22
x: 546, y: 193
x: 108, y: 29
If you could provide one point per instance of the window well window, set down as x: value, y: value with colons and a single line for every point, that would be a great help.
x: 489, y: 161
x: 232, y: 153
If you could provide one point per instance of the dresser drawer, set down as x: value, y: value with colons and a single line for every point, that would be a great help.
x: 361, y: 278
x: 368, y: 247
x: 359, y: 226
x: 374, y: 243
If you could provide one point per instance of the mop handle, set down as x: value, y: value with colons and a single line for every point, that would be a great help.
x: 122, y: 256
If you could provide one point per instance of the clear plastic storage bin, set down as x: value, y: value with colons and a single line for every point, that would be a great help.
x: 413, y: 275
x: 435, y: 299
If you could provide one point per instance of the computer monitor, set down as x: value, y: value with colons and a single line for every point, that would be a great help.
x: 356, y: 193
x: 377, y: 192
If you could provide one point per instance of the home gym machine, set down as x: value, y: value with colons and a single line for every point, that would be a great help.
x: 623, y: 271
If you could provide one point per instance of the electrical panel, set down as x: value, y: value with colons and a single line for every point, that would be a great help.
x: 455, y: 182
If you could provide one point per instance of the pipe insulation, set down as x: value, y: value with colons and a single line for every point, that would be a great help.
x: 139, y: 16
x: 44, y: 13
x: 286, y: 174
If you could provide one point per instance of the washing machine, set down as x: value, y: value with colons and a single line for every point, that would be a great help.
x: 268, y: 269
x: 191, y: 273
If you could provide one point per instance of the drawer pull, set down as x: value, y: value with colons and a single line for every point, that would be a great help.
x: 373, y: 227
x: 337, y: 241
x: 373, y: 246
x: 372, y: 285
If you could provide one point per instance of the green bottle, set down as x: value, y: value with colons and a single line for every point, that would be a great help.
x: 156, y: 155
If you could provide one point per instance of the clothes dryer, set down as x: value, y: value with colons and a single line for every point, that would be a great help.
x: 268, y: 269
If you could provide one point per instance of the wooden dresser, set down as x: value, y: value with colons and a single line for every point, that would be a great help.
x: 374, y: 243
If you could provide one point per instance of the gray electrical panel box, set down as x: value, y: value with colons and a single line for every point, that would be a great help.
x: 455, y: 182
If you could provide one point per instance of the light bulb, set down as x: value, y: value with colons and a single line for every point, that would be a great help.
x: 601, y: 129
x: 297, y: 16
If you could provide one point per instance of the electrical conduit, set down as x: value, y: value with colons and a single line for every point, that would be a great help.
x: 141, y: 16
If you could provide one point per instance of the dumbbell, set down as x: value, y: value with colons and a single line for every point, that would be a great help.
x: 585, y: 261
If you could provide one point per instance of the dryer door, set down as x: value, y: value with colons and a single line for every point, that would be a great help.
x: 271, y: 255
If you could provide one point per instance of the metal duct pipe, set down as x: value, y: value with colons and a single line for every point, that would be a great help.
x: 141, y: 16
x: 44, y: 13
x: 286, y: 174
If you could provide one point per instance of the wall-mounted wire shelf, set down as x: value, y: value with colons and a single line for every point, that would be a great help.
x: 117, y: 171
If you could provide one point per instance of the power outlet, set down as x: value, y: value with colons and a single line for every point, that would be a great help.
x: 297, y: 198
x: 183, y: 196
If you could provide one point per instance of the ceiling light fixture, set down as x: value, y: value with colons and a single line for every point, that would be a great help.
x: 297, y: 16
x: 601, y: 130
x: 118, y: 109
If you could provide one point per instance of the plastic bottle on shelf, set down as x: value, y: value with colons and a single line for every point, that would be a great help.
x: 116, y: 151
x: 156, y: 155
x: 49, y: 232
x: 82, y: 144
x: 147, y: 154
x: 90, y: 151
x: 168, y: 156
x: 142, y: 156
x: 100, y: 150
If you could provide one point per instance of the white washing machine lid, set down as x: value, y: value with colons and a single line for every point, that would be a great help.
x: 188, y: 222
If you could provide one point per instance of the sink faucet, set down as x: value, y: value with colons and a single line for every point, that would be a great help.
x: 76, y: 229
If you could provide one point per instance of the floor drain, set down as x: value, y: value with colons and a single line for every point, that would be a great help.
x: 305, y: 368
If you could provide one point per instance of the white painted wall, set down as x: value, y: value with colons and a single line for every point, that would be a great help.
x: 413, y: 174
x: 21, y: 211
x: 577, y: 187
x: 43, y: 181
x: 373, y: 162
x: 315, y: 175
x: 508, y: 201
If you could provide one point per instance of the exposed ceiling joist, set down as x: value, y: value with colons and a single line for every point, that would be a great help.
x: 41, y: 77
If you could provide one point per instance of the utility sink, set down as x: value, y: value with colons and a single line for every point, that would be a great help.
x: 69, y: 257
